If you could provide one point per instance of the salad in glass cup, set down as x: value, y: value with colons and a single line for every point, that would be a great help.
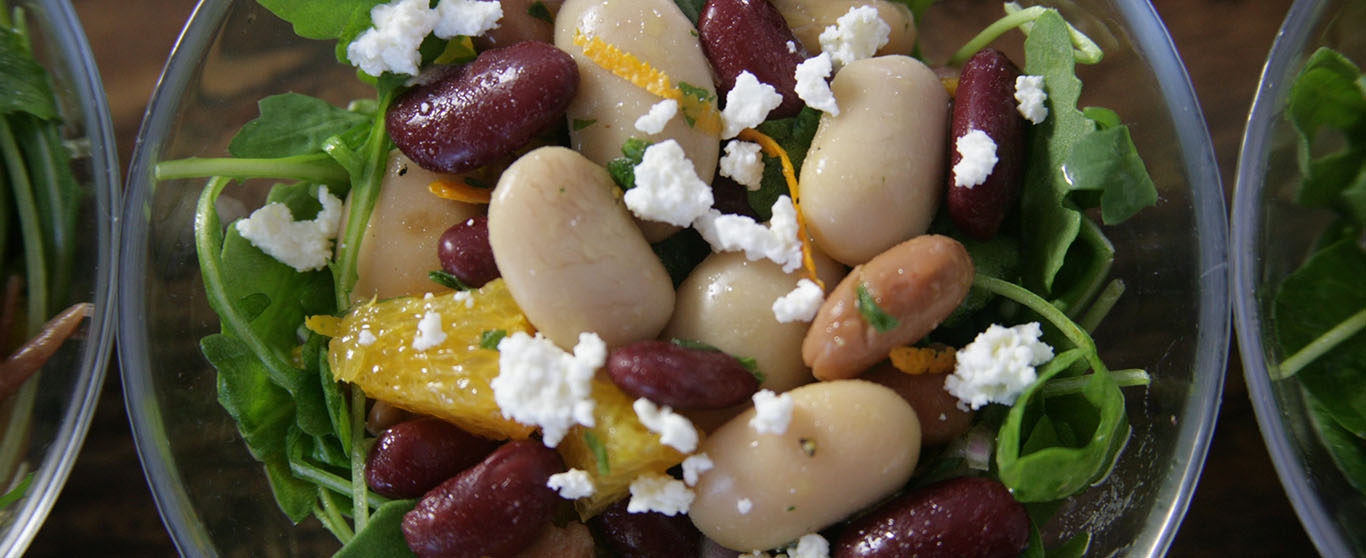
x: 692, y: 261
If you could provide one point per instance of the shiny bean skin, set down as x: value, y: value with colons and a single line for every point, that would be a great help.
x: 519, y: 24
x: 985, y: 101
x: 940, y: 418
x: 465, y: 252
x: 918, y: 282
x: 874, y: 174
x: 399, y: 247
x: 571, y: 255
x: 849, y: 444
x: 574, y: 540
x: 967, y: 517
x: 646, y: 535
x: 495, y: 508
x: 413, y: 457
x: 751, y: 35
x: 681, y: 377
x: 474, y: 114
x: 808, y: 18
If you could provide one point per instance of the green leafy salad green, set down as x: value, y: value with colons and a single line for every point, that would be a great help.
x: 1319, y: 310
x: 1050, y: 263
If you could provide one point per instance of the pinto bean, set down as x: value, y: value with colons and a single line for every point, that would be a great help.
x: 874, y: 173
x: 680, y: 377
x: 571, y: 255
x: 940, y: 418
x: 751, y: 35
x: 986, y: 101
x: 413, y: 457
x: 967, y: 517
x: 808, y: 18
x: 800, y: 481
x: 918, y: 282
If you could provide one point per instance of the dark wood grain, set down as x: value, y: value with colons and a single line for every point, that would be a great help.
x: 1239, y: 508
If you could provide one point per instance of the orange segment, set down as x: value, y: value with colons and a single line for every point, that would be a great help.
x: 924, y: 360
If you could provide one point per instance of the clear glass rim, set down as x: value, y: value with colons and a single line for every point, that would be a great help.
x: 73, y: 52
x: 1281, y: 64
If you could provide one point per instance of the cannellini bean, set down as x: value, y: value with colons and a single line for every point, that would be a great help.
x: 808, y: 18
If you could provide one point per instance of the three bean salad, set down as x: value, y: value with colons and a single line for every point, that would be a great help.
x: 675, y: 278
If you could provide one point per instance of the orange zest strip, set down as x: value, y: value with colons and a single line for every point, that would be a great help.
x: 626, y: 66
x: 459, y: 191
x: 772, y: 149
x: 924, y: 360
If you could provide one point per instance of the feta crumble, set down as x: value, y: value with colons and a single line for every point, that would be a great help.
x: 977, y: 158
x: 772, y: 412
x: 539, y: 384
x: 694, y: 466
x: 747, y: 104
x: 653, y: 122
x: 572, y: 484
x: 743, y: 506
x: 791, y: 47
x: 998, y: 365
x: 401, y: 25
x: 811, y: 545
x: 801, y: 304
x: 366, y: 338
x: 470, y: 18
x: 429, y: 333
x: 674, y: 430
x: 778, y: 242
x: 653, y: 492
x: 855, y: 35
x: 1030, y: 94
x: 667, y: 187
x: 812, y: 87
x: 743, y: 163
x: 302, y: 245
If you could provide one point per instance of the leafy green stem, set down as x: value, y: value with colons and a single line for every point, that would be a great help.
x: 359, y: 491
x: 314, y: 168
x: 35, y: 253
x: 1102, y: 306
x: 1087, y: 51
x: 1034, y: 302
x: 1131, y: 377
x: 331, y: 517
x: 364, y: 191
x: 1353, y: 325
x: 312, y: 473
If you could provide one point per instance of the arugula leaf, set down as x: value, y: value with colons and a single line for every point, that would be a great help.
x: 538, y: 10
x: 872, y: 313
x: 691, y: 8
x: 1328, y: 93
x: 1348, y: 451
x: 310, y: 401
x: 794, y: 136
x: 320, y: 20
x: 292, y: 124
x: 681, y: 253
x: 27, y: 87
x: 382, y: 536
x: 1107, y: 161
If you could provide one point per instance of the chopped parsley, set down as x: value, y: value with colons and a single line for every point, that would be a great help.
x: 449, y: 281
x: 489, y: 338
x: 872, y: 313
x: 599, y: 452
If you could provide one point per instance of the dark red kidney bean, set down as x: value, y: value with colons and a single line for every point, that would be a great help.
x: 751, y: 35
x: 680, y: 377
x: 471, y: 115
x: 646, y: 535
x: 966, y: 517
x: 412, y: 457
x: 495, y: 508
x: 940, y: 418
x: 729, y: 197
x: 986, y: 101
x: 465, y: 252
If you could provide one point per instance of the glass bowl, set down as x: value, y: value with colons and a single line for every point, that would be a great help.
x: 1271, y: 237
x: 43, y: 426
x: 214, y: 498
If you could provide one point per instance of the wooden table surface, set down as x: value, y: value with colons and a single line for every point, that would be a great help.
x: 1239, y: 508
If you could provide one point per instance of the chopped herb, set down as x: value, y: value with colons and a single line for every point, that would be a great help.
x: 599, y: 452
x: 623, y: 169
x: 17, y: 493
x: 808, y: 446
x: 749, y: 363
x: 580, y: 123
x: 792, y: 508
x: 694, y: 91
x: 489, y: 338
x: 475, y: 182
x: 449, y: 281
x: 874, y: 315
x: 539, y: 11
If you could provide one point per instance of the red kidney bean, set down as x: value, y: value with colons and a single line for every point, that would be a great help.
x: 986, y: 101
x: 646, y: 535
x: 522, y: 20
x: 967, y: 517
x: 412, y: 457
x: 471, y: 115
x: 495, y: 508
x: 680, y: 377
x: 940, y: 418
x: 730, y: 197
x: 740, y: 35
x: 465, y: 252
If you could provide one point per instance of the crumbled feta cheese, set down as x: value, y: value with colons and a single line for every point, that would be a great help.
x: 812, y: 87
x: 772, y: 412
x: 674, y: 430
x: 653, y: 492
x: 855, y: 35
x: 998, y: 365
x: 977, y: 157
x: 791, y: 47
x: 653, y: 122
x: 777, y: 242
x: 747, y: 104
x: 429, y: 332
x: 801, y: 304
x: 539, y: 384
x: 811, y: 545
x: 572, y: 484
x: 743, y: 506
x: 366, y: 338
x: 465, y: 297
x: 302, y: 245
x: 743, y: 163
x: 1030, y: 94
x: 471, y: 18
x: 694, y: 466
x: 667, y: 187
